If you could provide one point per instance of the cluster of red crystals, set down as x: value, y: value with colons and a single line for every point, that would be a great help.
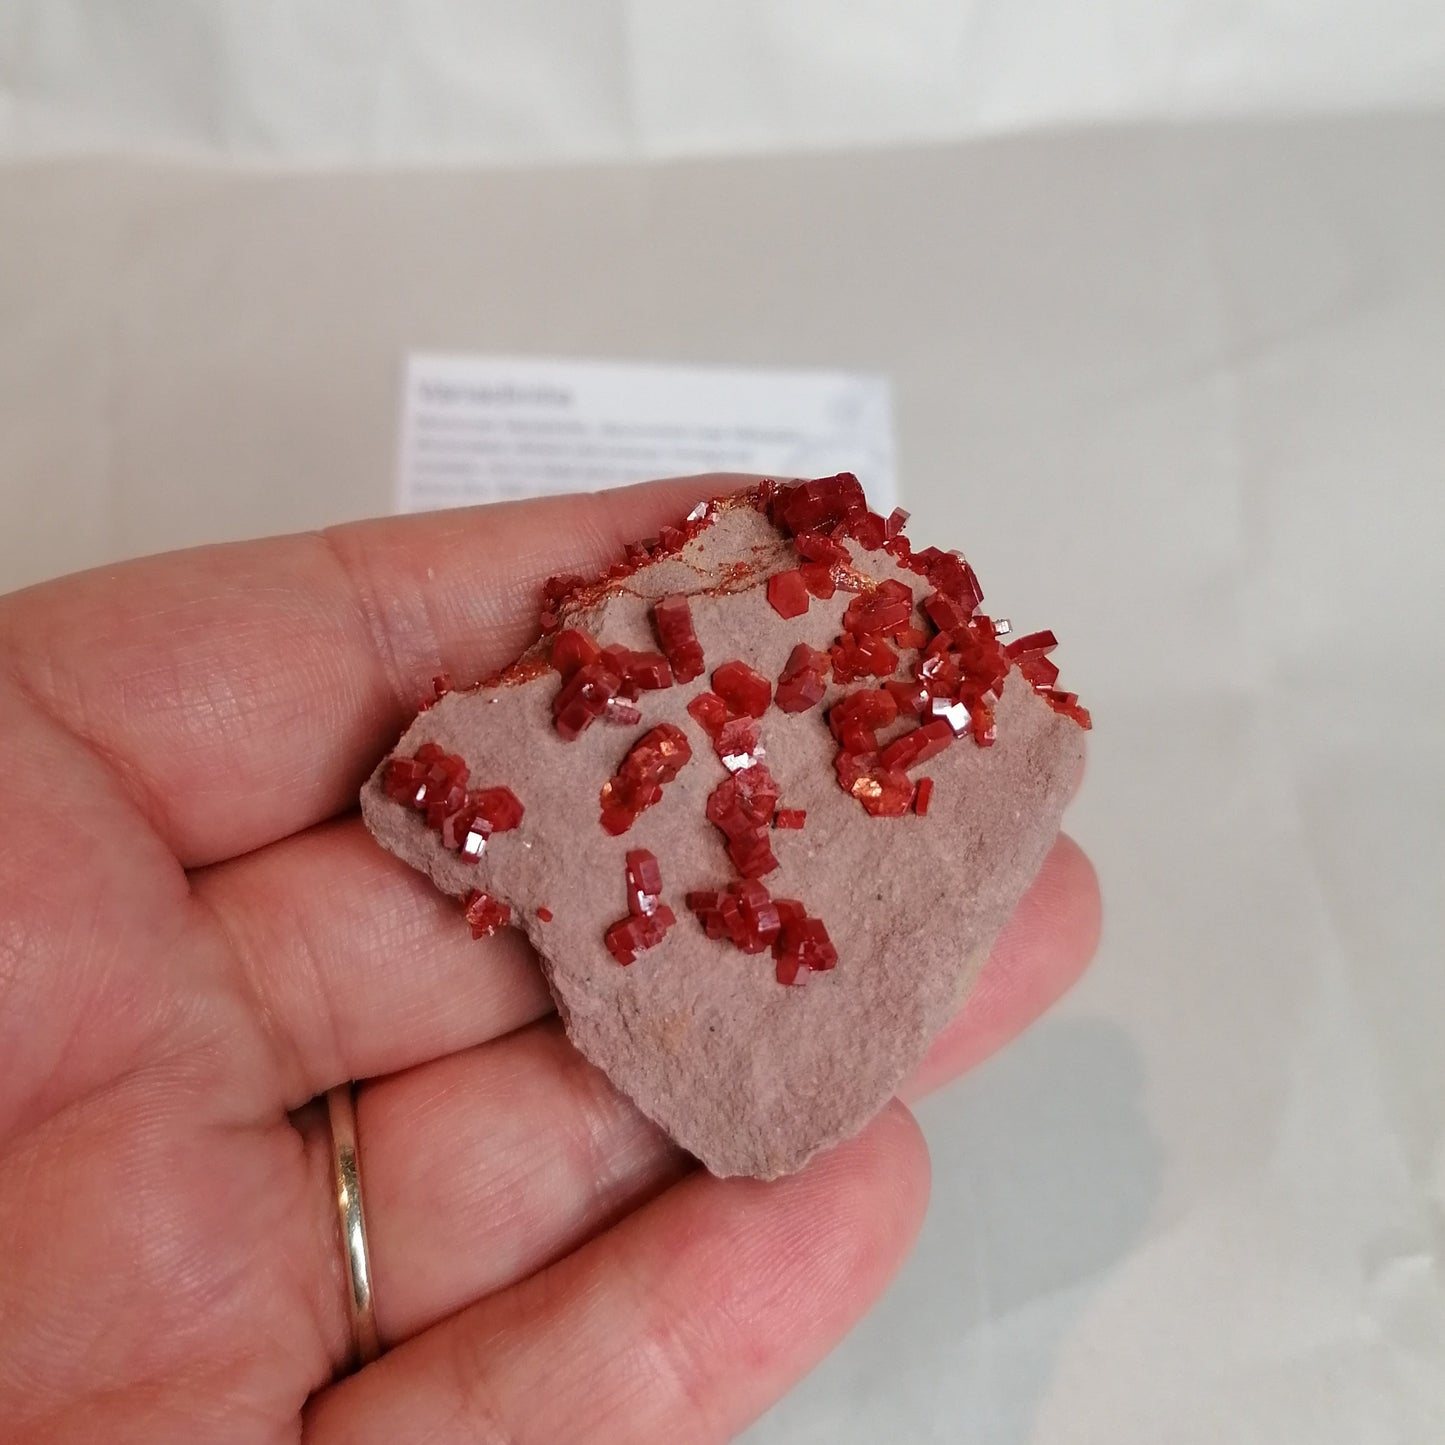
x: 790, y: 817
x: 788, y: 592
x: 744, y: 913
x: 804, y: 679
x: 1030, y: 654
x: 583, y: 698
x: 883, y: 792
x: 638, y: 671
x: 556, y: 591
x: 571, y: 649
x: 739, y: 743
x: 742, y: 689
x: 923, y: 796
x: 803, y: 947
x: 486, y: 914
x: 820, y: 554
x: 753, y: 921
x: 648, y: 917
x: 872, y: 619
x: 741, y: 807
x: 826, y: 505
x: 559, y: 592
x: 601, y: 682
x: 434, y: 782
x: 654, y: 760
x: 672, y: 618
x: 854, y: 720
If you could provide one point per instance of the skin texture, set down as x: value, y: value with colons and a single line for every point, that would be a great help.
x: 197, y: 937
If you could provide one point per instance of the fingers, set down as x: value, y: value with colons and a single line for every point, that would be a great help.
x: 1040, y: 955
x: 682, y: 1323
x: 357, y: 964
x: 243, y: 692
x: 486, y: 1166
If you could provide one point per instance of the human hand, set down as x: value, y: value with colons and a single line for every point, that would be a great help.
x: 197, y: 937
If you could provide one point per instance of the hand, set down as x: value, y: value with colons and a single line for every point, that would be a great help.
x: 197, y: 937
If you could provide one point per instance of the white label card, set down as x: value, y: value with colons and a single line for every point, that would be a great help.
x: 488, y: 428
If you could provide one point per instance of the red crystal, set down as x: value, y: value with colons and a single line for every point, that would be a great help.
x: 790, y: 818
x: 788, y: 593
x: 544, y: 915
x: 946, y: 613
x: 742, y: 808
x: 883, y: 792
x: 855, y: 719
x: 803, y: 947
x: 803, y: 679
x: 738, y: 743
x: 1039, y: 670
x: 884, y: 611
x: 923, y: 796
x: 555, y: 591
x: 820, y: 505
x: 644, y: 882
x: 638, y: 671
x: 855, y: 657
x: 918, y: 745
x: 655, y: 760
x: 583, y: 698
x: 816, y: 547
x: 870, y: 530
x: 433, y: 782
x: 672, y: 617
x: 500, y: 808
x: 629, y: 936
x: 910, y: 696
x: 670, y: 538
x: 1067, y: 703
x: 742, y: 689
x: 572, y: 649
x: 950, y: 574
x: 743, y: 913
x: 897, y: 520
x: 818, y: 579
x: 1034, y: 642
x: 621, y: 713
x: 486, y: 914
x: 648, y: 917
x: 709, y: 712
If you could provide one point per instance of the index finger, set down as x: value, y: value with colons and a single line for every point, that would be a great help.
x: 243, y: 692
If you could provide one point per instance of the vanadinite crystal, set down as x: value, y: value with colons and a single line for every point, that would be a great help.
x: 485, y: 914
x: 788, y: 593
x: 804, y: 679
x: 648, y: 917
x: 742, y: 689
x: 435, y: 783
x: 654, y: 760
x: 672, y: 617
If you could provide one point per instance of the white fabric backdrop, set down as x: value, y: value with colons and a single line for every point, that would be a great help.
x: 427, y: 81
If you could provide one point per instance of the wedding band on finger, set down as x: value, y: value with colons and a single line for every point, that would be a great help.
x: 346, y: 1171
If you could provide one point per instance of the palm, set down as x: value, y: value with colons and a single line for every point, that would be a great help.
x: 190, y: 951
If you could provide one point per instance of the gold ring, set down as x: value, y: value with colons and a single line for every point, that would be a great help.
x: 346, y: 1169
